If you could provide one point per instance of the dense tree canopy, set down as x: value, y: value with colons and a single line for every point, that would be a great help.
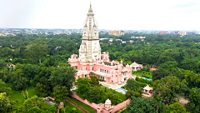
x: 36, y: 105
x: 145, y: 105
x: 194, y: 96
x: 40, y: 62
x: 168, y: 88
x: 175, y: 108
x: 96, y: 93
x: 5, y: 105
x: 60, y: 93
x: 134, y: 87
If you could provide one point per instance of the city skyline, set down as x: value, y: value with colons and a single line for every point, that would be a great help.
x: 124, y: 15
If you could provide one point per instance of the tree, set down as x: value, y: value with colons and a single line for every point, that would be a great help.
x: 134, y: 87
x: 50, y: 77
x: 145, y: 105
x: 43, y: 75
x: 60, y: 93
x: 168, y: 88
x: 97, y: 93
x: 194, y: 97
x: 20, y: 83
x: 6, y: 52
x: 166, y: 69
x: 43, y: 84
x: 5, y: 105
x: 50, y: 61
x: 2, y: 63
x: 193, y: 79
x: 191, y: 64
x: 83, y: 87
x: 175, y: 108
x: 4, y: 87
x: 30, y: 71
x: 36, y: 52
x: 94, y: 80
x: 43, y: 89
x: 63, y: 76
x: 36, y: 105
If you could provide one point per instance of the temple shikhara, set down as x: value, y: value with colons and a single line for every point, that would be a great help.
x: 91, y: 61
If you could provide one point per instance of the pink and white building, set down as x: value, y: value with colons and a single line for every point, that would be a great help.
x: 91, y: 61
x: 135, y: 66
x: 147, y: 91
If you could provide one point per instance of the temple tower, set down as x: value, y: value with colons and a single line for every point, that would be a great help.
x: 90, y: 50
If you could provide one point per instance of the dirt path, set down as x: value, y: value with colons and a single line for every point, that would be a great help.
x: 83, y: 110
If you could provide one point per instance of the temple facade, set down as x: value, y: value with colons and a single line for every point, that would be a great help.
x: 91, y: 62
x: 90, y: 49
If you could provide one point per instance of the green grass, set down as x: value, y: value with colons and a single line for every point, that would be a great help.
x: 70, y: 108
x: 86, y: 107
x: 143, y: 73
x: 18, y: 97
x: 31, y: 92
x: 123, y: 111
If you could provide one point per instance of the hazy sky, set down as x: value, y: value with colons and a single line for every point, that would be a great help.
x: 110, y: 14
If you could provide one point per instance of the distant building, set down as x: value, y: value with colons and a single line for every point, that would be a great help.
x: 163, y: 32
x: 138, y: 37
x: 116, y: 33
x: 92, y: 62
x: 182, y: 33
x: 2, y: 34
x: 197, y: 33
x: 131, y: 41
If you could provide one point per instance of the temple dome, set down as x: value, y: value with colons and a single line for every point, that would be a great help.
x: 134, y: 64
x: 108, y: 102
x: 147, y: 87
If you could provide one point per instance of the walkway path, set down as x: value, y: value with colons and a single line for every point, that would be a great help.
x: 83, y: 110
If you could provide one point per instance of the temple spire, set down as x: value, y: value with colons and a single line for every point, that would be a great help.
x: 90, y: 11
x: 90, y: 49
x: 90, y: 27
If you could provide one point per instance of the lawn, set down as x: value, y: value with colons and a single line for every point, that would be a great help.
x: 143, y: 73
x: 69, y: 108
x: 18, y: 97
x: 82, y: 105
